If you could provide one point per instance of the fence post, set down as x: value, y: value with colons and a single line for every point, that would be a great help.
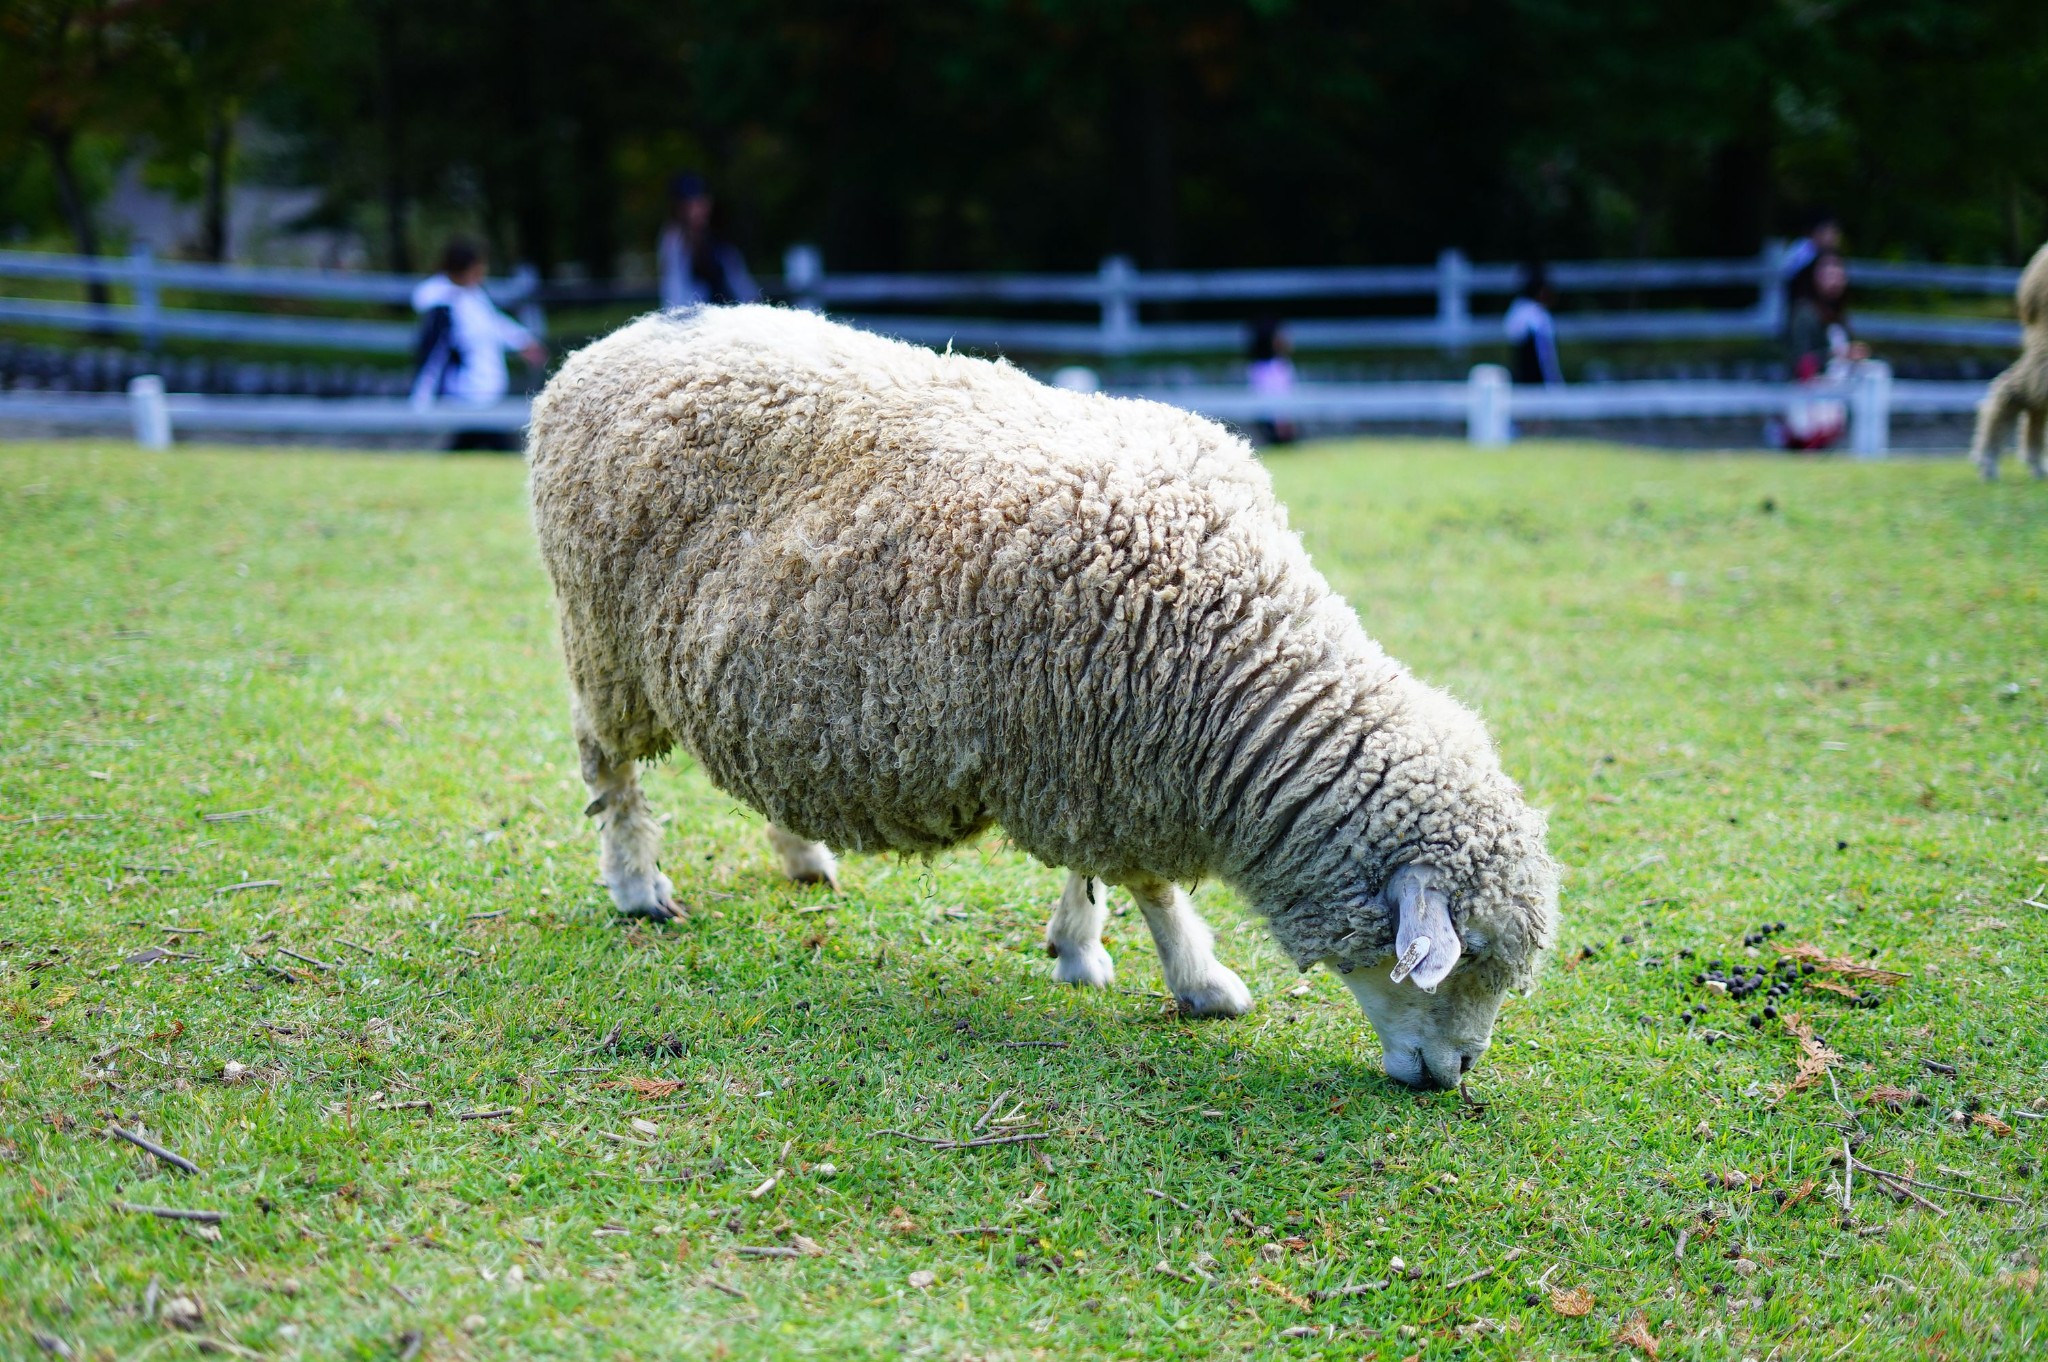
x: 526, y: 297
x: 1453, y: 300
x: 143, y: 262
x: 1486, y: 406
x: 803, y: 273
x: 1770, y: 292
x: 1870, y: 409
x: 149, y: 411
x: 1119, y: 309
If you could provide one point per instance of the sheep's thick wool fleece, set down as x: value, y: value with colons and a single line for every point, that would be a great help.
x: 889, y: 597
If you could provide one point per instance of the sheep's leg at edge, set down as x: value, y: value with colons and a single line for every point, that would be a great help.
x: 629, y: 838
x: 804, y: 861
x: 1997, y: 415
x: 1199, y: 982
x: 1074, y: 936
x: 2033, y: 436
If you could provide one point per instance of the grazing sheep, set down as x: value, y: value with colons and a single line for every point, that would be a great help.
x: 2019, y: 396
x: 890, y: 598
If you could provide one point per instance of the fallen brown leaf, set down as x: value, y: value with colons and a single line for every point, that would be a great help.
x: 1814, y: 1057
x: 1898, y: 1099
x: 1571, y: 1304
x: 646, y: 1087
x: 2025, y: 1280
x: 1804, y: 1191
x: 1848, y: 969
x: 900, y: 1221
x: 1991, y: 1123
x: 1636, y: 1334
x: 1293, y: 1298
x: 1812, y: 985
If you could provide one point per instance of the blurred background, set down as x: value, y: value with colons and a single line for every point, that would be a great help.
x: 1024, y: 137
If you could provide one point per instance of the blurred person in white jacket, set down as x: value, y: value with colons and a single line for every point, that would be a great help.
x: 1532, y: 330
x: 463, y: 337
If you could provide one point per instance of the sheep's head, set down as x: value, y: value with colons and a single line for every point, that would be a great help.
x: 1434, y: 998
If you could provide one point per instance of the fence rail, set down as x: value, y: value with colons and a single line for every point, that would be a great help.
x: 1485, y: 404
x: 1117, y: 293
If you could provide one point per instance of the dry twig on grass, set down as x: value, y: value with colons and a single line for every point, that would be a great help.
x: 1902, y: 1179
x: 173, y: 1213
x: 149, y: 1146
x: 1001, y: 1097
x: 1352, y: 1289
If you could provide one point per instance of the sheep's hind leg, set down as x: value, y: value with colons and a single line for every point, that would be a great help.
x: 630, y: 839
x: 1074, y: 936
x: 1200, y: 983
x: 804, y: 861
x: 2033, y: 436
x: 1996, y: 417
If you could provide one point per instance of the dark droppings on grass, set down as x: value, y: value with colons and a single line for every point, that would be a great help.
x: 1600, y: 1134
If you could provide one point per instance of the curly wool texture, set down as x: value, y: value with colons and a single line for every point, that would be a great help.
x: 890, y: 597
x: 2019, y: 396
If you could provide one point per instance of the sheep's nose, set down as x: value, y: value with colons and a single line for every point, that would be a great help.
x: 1428, y: 1077
x: 1464, y: 1064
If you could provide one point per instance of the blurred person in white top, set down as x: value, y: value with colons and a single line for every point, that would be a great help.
x: 1532, y: 330
x: 463, y: 339
x: 696, y: 265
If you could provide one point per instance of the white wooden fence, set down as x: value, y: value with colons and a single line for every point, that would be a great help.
x: 1486, y: 405
x: 1118, y: 305
x: 144, y: 278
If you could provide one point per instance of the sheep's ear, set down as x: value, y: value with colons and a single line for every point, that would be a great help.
x: 1426, y: 945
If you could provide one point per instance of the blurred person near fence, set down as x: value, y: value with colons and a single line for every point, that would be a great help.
x: 1820, y: 354
x: 459, y: 352
x: 1269, y: 371
x: 1823, y: 237
x: 1532, y: 330
x: 696, y: 265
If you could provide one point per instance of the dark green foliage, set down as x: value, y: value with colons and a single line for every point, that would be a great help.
x: 1046, y: 133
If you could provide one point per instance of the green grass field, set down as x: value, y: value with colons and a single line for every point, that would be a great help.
x: 306, y: 709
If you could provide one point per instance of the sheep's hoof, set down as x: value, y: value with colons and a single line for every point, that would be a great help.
x: 1222, y: 996
x: 653, y: 899
x: 1088, y: 966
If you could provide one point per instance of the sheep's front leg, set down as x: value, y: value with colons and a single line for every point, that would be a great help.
x: 804, y: 861
x: 2033, y: 437
x: 629, y: 837
x: 1200, y: 984
x: 1074, y: 936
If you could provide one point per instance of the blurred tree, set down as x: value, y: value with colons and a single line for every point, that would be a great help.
x: 1047, y: 133
x: 217, y: 54
x: 66, y: 68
